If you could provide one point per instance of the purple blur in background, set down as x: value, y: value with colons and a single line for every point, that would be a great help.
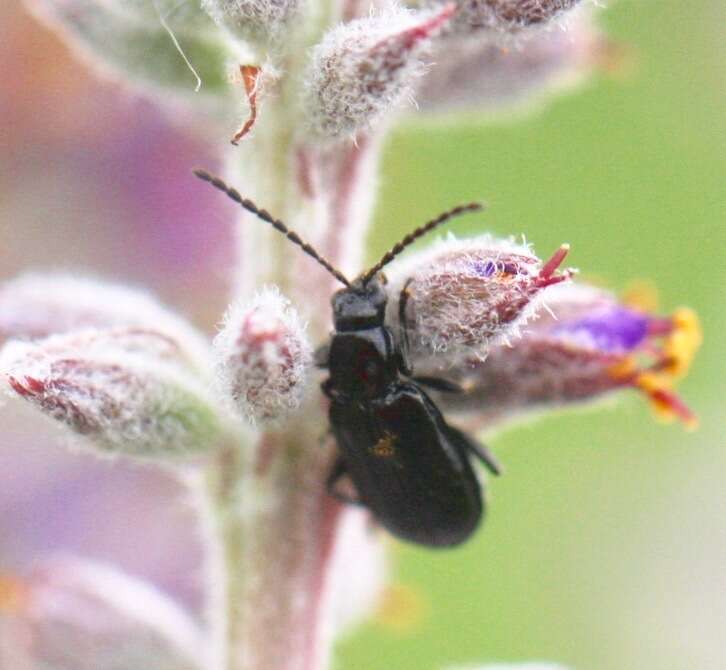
x: 99, y: 183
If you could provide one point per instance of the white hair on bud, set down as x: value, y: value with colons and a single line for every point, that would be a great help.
x: 450, y: 244
x: 262, y: 356
x: 75, y: 613
x: 124, y: 391
x: 465, y: 295
x: 510, y: 16
x: 34, y: 306
x: 367, y: 67
x: 256, y: 20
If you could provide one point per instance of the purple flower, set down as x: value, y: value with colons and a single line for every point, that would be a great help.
x: 583, y: 345
x: 71, y: 613
x: 615, y: 329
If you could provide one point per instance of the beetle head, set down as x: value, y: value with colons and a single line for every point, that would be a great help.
x: 361, y: 305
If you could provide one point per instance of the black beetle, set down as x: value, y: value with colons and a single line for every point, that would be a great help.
x: 409, y: 467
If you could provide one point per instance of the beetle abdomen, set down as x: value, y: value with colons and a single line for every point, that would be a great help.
x: 408, y: 468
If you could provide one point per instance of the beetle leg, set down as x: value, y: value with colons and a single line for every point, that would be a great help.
x: 339, y: 470
x: 403, y: 321
x: 439, y: 384
x: 321, y: 355
x: 326, y: 388
x: 477, y: 449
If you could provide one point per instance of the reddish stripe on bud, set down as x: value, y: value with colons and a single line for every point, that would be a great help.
x: 425, y: 30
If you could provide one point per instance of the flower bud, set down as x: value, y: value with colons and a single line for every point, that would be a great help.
x: 122, y: 389
x: 258, y: 21
x: 155, y: 47
x: 509, y: 16
x: 583, y: 346
x: 263, y: 357
x: 363, y: 69
x: 471, y: 73
x: 86, y: 616
x: 35, y: 306
x: 464, y: 296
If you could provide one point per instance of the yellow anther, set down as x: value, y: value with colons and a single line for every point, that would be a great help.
x: 666, y: 405
x: 623, y: 369
x: 683, y: 342
x: 652, y: 381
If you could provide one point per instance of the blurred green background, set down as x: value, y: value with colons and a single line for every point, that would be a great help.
x: 605, y: 545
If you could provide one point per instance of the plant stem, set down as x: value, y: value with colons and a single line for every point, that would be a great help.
x: 271, y: 523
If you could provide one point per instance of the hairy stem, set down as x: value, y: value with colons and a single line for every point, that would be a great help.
x: 218, y: 490
x: 289, y: 529
x: 274, y: 526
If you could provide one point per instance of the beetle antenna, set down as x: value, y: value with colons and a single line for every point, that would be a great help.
x: 275, y: 223
x: 416, y: 234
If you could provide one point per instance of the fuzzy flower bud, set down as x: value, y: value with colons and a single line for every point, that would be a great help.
x: 77, y: 615
x: 509, y: 16
x: 476, y: 74
x: 263, y: 357
x: 363, y: 69
x: 122, y: 388
x: 253, y: 20
x: 145, y: 43
x: 464, y: 296
x: 35, y: 306
x: 583, y: 346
